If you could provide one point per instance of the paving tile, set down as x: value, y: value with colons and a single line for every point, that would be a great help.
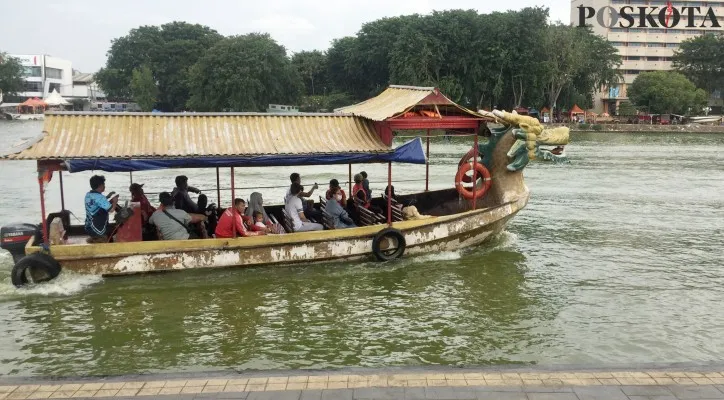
x: 127, y: 392
x: 296, y: 386
x: 70, y: 387
x: 62, y: 394
x: 235, y: 395
x: 717, y: 381
x: 132, y: 385
x: 436, y: 382
x: 26, y: 389
x: 552, y: 396
x: 338, y: 378
x: 18, y: 395
x: 501, y: 396
x: 449, y: 393
x: 337, y: 385
x: 459, y: 376
x: 665, y: 381
x: 489, y: 376
x: 362, y: 384
x: 192, y: 389
x: 49, y: 388
x: 318, y: 378
x: 85, y: 393
x: 416, y: 393
x: 237, y: 382
x: 149, y: 391
x: 234, y: 388
x: 456, y: 382
x: 223, y: 382
x: 251, y: 387
x: 379, y: 393
x: 274, y: 395
x: 296, y: 379
x: 713, y: 375
x: 317, y: 385
x: 645, y: 390
x: 702, y: 381
x: 337, y: 394
x: 685, y: 392
x: 92, y: 386
x: 197, y: 382
x: 258, y: 381
x: 170, y: 390
x: 494, y: 382
x: 273, y: 387
x: 40, y: 395
x: 311, y: 395
x: 7, y: 389
x: 683, y: 381
x: 652, y: 398
x: 112, y: 386
x: 600, y: 393
x: 474, y: 376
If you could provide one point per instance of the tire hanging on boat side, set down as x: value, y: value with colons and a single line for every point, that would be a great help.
x: 386, y: 235
x: 40, y: 266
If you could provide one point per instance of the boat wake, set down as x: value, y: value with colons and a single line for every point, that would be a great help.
x: 66, y: 284
x: 442, y: 256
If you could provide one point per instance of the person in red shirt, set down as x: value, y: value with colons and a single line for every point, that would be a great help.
x: 231, y: 223
x: 335, y: 184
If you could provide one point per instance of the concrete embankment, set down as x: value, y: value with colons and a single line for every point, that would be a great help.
x: 643, y: 128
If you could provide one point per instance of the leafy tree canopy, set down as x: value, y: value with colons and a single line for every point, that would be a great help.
x: 701, y: 59
x: 666, y: 92
x: 244, y: 73
x: 11, y: 75
x: 168, y: 50
x: 143, y: 88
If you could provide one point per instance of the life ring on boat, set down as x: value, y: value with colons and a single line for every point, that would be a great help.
x: 466, y: 160
x: 388, y: 244
x: 468, y: 192
x: 35, y: 268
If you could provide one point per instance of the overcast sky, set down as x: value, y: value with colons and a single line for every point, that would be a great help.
x: 81, y: 30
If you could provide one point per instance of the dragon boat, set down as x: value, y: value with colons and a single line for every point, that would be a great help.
x: 486, y: 193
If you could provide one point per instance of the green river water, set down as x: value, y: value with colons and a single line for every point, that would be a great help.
x: 618, y: 258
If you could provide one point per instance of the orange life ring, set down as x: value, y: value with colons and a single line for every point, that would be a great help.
x: 466, y: 160
x: 468, y: 192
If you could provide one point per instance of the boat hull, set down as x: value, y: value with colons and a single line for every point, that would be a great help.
x: 436, y: 234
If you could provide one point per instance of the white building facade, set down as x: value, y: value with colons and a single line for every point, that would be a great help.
x: 648, y: 48
x: 43, y: 74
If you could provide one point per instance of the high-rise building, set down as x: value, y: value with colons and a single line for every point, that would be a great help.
x: 646, y: 48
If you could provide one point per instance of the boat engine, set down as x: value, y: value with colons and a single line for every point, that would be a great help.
x: 14, y: 237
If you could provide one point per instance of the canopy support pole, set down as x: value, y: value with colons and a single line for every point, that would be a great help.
x: 475, y: 172
x: 62, y: 194
x: 350, y: 181
x: 42, y: 210
x: 218, y: 188
x: 427, y: 162
x: 233, y: 198
x: 130, y: 174
x: 389, y: 197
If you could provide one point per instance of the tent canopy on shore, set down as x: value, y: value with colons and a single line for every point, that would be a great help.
x: 55, y: 99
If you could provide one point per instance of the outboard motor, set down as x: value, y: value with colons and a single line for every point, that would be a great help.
x: 14, y: 237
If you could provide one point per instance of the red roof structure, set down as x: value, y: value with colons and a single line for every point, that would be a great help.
x: 576, y: 110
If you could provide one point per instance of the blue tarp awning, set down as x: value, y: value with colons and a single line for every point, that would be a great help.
x: 409, y: 153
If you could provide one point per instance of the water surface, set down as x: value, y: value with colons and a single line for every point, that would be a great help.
x: 617, y: 259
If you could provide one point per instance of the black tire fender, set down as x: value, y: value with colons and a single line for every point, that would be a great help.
x: 384, y: 236
x: 41, y: 267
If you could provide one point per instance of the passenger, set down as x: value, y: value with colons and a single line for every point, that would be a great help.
x: 172, y: 223
x: 308, y: 205
x: 259, y: 225
x: 340, y: 218
x: 138, y: 196
x: 335, y: 184
x: 231, y: 223
x: 366, y: 184
x: 182, y: 200
x: 256, y: 204
x: 97, y: 208
x: 295, y: 210
x: 401, y: 202
x: 359, y: 194
x: 296, y: 178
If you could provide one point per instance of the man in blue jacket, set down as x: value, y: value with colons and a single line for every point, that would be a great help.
x: 97, y: 208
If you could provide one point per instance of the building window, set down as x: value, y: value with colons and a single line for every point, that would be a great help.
x: 619, y: 44
x: 34, y: 72
x: 633, y: 58
x: 637, y: 44
x: 657, y: 44
x: 53, y: 86
x: 618, y: 2
x: 672, y: 45
x: 657, y: 30
x: 676, y: 31
x: 636, y: 30
x: 619, y: 30
x: 657, y: 3
x: 53, y: 73
x: 34, y: 87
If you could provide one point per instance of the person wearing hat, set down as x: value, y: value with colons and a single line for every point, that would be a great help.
x: 137, y: 196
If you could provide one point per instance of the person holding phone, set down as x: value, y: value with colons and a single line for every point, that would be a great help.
x: 97, y: 209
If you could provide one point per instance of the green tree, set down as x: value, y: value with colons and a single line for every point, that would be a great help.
x: 168, y: 50
x: 701, y: 59
x: 666, y: 92
x: 626, y: 109
x: 575, y: 56
x: 243, y: 73
x: 312, y: 67
x: 143, y: 88
x: 11, y: 75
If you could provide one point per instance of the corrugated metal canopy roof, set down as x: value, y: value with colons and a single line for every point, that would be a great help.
x: 397, y: 99
x: 68, y: 135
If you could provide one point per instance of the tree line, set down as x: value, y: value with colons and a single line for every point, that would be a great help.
x: 502, y: 59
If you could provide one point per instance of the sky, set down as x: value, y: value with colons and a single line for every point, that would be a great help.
x: 81, y: 30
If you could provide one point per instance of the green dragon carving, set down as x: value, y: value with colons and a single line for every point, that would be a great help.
x: 530, y: 135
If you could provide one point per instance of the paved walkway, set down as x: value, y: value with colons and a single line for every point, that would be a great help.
x: 468, y: 383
